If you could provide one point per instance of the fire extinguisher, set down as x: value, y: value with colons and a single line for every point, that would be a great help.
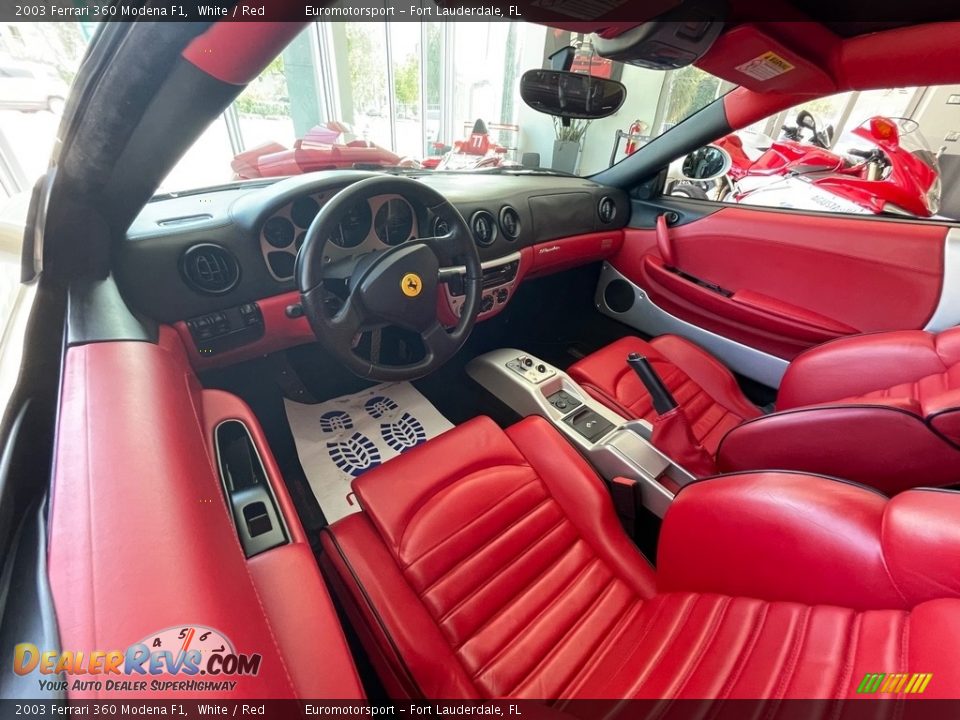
x: 633, y: 135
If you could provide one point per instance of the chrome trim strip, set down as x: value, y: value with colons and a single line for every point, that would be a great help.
x: 487, y: 264
x: 947, y: 312
x: 644, y: 315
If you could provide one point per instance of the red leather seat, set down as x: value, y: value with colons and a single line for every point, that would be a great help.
x: 881, y: 409
x: 491, y: 564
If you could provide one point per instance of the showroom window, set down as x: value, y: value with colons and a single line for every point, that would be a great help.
x: 892, y: 152
x: 346, y: 94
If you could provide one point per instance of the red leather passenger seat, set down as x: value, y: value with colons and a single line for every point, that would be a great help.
x: 701, y: 385
x: 882, y: 409
x: 491, y: 564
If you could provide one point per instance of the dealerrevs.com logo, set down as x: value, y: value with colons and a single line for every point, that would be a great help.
x: 188, y: 658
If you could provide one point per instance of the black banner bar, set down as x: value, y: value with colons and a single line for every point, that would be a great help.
x: 882, y: 13
x: 867, y: 709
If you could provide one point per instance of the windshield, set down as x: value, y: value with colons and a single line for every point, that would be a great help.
x: 430, y: 96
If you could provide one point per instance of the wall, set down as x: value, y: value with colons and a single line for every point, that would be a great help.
x: 937, y: 119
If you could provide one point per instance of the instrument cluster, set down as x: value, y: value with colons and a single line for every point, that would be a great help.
x: 372, y: 224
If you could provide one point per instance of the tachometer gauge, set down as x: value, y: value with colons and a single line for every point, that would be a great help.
x: 354, y: 227
x: 394, y: 221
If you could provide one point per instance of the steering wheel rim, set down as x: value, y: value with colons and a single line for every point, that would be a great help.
x: 397, y: 286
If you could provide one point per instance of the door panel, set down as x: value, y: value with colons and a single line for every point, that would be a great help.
x: 783, y: 281
x: 141, y: 538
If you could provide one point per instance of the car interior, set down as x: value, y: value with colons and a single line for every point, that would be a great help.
x: 627, y: 444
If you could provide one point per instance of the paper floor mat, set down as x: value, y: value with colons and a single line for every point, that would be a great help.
x: 340, y: 439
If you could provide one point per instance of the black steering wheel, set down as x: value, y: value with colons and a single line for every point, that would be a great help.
x: 397, y: 286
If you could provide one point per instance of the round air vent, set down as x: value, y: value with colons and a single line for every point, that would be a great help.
x: 509, y: 222
x: 484, y: 228
x: 607, y: 209
x: 210, y: 268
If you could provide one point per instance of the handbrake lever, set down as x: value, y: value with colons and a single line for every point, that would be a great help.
x: 663, y: 400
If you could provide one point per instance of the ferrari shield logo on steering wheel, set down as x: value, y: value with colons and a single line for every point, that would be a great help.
x: 411, y: 284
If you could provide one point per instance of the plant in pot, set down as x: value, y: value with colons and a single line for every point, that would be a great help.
x: 566, y: 148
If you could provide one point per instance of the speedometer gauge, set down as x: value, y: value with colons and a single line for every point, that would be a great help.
x: 394, y: 222
x: 354, y: 226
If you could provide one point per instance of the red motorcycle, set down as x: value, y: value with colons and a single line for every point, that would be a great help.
x: 897, y: 174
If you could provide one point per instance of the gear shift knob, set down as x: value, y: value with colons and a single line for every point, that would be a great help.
x: 663, y: 400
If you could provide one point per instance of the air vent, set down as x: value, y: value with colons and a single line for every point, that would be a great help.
x: 484, y: 228
x: 607, y: 209
x: 210, y: 268
x: 510, y: 222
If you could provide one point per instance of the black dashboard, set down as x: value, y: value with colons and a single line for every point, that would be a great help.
x: 199, y: 253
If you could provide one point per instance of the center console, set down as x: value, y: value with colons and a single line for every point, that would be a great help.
x: 615, y: 446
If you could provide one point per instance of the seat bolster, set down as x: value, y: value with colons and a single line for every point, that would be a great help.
x: 574, y: 485
x: 889, y: 448
x: 778, y: 537
x: 707, y: 372
x: 407, y: 648
x: 921, y: 540
x: 861, y: 364
x: 943, y: 414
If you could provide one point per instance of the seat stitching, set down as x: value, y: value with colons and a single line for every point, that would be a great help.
x: 500, y: 571
x: 565, y: 637
x: 445, y: 484
x: 667, y: 642
x: 587, y: 651
x: 796, y: 646
x: 486, y: 543
x: 722, y: 417
x: 612, y: 637
x: 526, y: 631
x: 853, y: 635
x: 704, y: 646
x: 658, y: 601
x: 577, y: 574
x: 746, y: 653
x: 475, y: 519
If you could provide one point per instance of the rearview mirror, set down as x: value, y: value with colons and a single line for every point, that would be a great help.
x: 707, y: 163
x: 571, y: 95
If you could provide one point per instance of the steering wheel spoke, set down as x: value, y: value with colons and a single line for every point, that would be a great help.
x: 438, y: 341
x: 346, y: 324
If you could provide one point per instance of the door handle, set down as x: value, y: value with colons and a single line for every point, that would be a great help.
x: 664, y: 243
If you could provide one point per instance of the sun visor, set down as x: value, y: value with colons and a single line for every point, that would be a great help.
x: 673, y: 40
x: 748, y: 56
